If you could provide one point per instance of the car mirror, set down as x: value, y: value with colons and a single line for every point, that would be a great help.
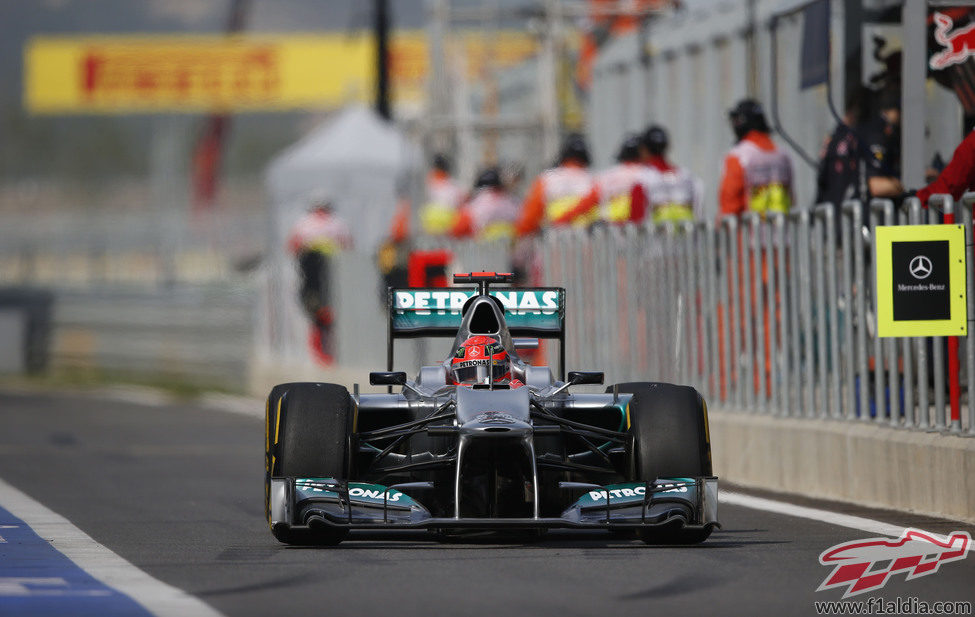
x: 388, y: 378
x: 525, y: 343
x: 577, y: 378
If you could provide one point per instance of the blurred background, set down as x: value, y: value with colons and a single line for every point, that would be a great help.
x: 156, y: 155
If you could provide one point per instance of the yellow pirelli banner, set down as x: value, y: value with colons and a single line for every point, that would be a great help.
x: 194, y: 73
x: 247, y: 72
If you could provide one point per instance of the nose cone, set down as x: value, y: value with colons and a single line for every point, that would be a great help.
x: 496, y: 424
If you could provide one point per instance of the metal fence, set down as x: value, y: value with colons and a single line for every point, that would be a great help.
x: 189, y: 334
x: 773, y: 316
x: 81, y: 250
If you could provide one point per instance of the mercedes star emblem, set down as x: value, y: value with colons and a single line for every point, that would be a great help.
x: 920, y: 267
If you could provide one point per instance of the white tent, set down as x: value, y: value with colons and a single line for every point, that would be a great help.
x: 362, y: 161
x: 364, y: 164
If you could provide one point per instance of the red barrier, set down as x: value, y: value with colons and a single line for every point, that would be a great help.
x: 428, y: 268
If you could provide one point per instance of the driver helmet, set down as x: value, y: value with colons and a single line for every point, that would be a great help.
x: 480, y: 360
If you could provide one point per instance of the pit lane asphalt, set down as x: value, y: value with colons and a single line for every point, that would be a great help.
x: 176, y: 489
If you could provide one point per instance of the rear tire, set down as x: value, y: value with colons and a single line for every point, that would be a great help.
x: 306, y: 435
x: 670, y: 428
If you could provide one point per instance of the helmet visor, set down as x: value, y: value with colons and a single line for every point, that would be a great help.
x: 480, y: 371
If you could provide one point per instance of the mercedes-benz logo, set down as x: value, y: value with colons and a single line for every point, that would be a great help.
x: 920, y: 267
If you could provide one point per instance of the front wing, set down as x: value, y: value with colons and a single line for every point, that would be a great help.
x: 690, y: 503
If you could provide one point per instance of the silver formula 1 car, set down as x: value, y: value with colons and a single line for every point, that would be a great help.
x: 485, y: 440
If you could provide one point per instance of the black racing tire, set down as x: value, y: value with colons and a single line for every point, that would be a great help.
x: 306, y: 435
x: 669, y: 424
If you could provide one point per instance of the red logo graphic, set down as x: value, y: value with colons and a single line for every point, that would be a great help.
x: 916, y: 552
x: 959, y: 45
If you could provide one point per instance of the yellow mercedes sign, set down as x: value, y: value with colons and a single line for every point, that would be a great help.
x: 921, y: 280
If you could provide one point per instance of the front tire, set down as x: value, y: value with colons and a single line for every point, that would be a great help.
x: 670, y: 428
x: 306, y: 436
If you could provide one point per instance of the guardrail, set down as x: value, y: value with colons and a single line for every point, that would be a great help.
x: 772, y: 316
x: 189, y: 334
x: 92, y: 249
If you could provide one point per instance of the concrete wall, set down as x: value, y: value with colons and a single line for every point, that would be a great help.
x: 877, y: 466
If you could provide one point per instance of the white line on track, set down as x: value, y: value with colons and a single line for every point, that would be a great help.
x: 825, y: 516
x: 156, y: 596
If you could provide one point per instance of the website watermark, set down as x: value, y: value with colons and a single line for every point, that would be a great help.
x: 862, y: 566
x: 895, y: 606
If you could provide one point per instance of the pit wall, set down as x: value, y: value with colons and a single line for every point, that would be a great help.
x: 923, y: 472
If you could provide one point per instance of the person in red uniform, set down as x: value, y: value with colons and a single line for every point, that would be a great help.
x: 957, y: 177
x: 757, y: 175
x: 556, y: 190
x: 611, y: 192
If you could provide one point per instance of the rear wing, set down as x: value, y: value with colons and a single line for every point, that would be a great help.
x: 537, y: 312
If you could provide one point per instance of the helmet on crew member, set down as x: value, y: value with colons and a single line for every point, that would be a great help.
x: 480, y: 360
x: 441, y: 162
x: 574, y: 148
x: 655, y: 140
x: 319, y: 200
x: 489, y: 178
x: 629, y: 149
x: 747, y: 115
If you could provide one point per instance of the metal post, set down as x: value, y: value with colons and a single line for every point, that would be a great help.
x: 805, y: 308
x: 548, y: 78
x: 780, y: 367
x: 886, y: 206
x: 724, y: 249
x: 673, y: 277
x: 860, y: 281
x: 965, y: 212
x: 663, y: 300
x: 832, y: 313
x: 733, y: 307
x: 652, y: 276
x: 582, y: 340
x: 631, y: 285
x: 937, y: 360
x: 907, y: 344
x: 604, y: 281
x: 381, y: 29
x: 641, y: 302
x: 693, y: 335
x: 762, y: 325
x: 795, y: 312
x: 876, y: 208
x: 849, y: 343
x: 947, y: 205
x: 748, y: 355
x: 820, y: 295
x: 709, y: 318
x: 923, y: 404
x: 913, y: 92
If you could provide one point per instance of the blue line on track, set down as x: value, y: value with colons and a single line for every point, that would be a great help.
x: 37, y: 580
